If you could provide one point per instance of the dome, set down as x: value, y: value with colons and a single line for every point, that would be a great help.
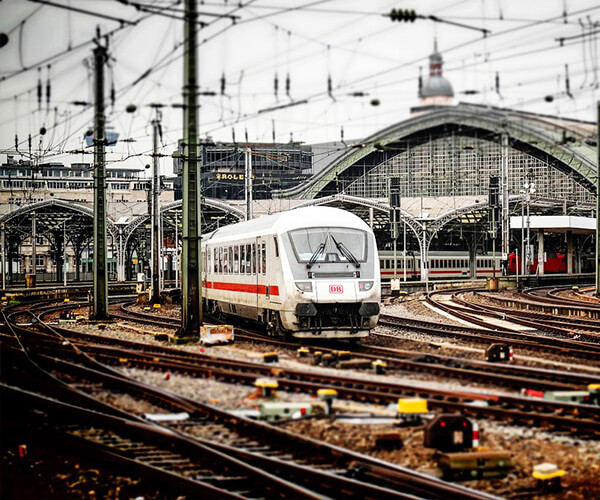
x: 437, y: 86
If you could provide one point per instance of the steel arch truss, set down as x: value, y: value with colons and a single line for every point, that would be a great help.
x: 566, y: 146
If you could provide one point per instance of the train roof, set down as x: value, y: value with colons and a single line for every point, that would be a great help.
x: 286, y: 221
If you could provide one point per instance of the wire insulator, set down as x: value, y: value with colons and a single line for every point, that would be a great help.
x: 39, y: 89
x: 497, y: 83
x: 48, y: 89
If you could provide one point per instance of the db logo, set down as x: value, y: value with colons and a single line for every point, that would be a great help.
x: 336, y: 289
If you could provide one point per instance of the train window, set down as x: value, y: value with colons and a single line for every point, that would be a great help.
x: 215, y: 260
x: 220, y: 259
x: 276, y: 246
x: 263, y: 258
x: 253, y: 258
x: 248, y: 258
x: 229, y: 260
x: 324, y: 244
x: 242, y: 259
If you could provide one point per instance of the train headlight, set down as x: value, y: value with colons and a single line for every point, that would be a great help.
x: 304, y: 286
x: 365, y: 286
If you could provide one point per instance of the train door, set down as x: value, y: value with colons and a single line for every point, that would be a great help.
x: 274, y: 272
x: 257, y: 272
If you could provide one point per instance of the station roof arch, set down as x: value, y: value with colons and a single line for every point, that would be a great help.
x: 51, y: 215
x: 212, y: 210
x: 567, y: 145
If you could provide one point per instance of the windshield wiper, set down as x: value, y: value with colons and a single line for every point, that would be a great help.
x: 345, y: 252
x: 315, y: 255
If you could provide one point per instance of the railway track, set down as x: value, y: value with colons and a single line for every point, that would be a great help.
x: 566, y: 342
x: 402, y: 360
x: 583, y: 419
x: 541, y: 309
x: 212, y: 453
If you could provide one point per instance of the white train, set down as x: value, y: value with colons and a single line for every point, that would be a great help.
x: 311, y: 272
x: 442, y: 265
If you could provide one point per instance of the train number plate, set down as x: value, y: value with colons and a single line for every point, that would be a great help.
x: 336, y: 289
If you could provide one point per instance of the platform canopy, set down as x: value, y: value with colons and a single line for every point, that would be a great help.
x: 556, y: 223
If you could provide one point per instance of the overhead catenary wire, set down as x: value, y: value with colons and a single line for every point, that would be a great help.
x: 251, y: 115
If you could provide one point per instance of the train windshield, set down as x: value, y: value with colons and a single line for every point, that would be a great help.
x: 329, y: 244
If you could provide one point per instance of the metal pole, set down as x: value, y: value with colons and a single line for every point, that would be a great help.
x: 523, y: 237
x: 33, y: 248
x: 155, y: 213
x: 494, y: 234
x: 65, y: 252
x: 176, y: 250
x: 505, y: 206
x: 404, y: 248
x: 528, y: 238
x: 161, y: 262
x: 248, y: 183
x: 395, y: 234
x: 122, y: 254
x: 517, y: 264
x: 3, y: 244
x: 192, y: 294
x: 425, y: 260
x: 100, y: 247
x: 598, y: 205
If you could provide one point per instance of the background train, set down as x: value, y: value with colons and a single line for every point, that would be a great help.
x: 442, y: 265
x: 310, y: 272
x: 555, y: 264
x: 455, y: 265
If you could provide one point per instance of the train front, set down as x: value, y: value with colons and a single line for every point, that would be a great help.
x: 337, y: 283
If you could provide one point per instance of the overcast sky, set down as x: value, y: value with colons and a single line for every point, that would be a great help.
x: 350, y: 42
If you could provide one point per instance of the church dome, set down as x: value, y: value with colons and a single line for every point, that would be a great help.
x: 436, y: 85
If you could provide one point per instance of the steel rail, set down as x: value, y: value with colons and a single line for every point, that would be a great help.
x: 424, y: 483
x: 511, y: 375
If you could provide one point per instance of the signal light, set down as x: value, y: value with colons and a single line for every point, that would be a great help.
x: 406, y: 15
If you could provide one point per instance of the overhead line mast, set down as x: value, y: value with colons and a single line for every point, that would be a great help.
x: 191, y: 318
x: 100, y: 240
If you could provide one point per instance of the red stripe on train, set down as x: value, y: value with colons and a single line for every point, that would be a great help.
x: 241, y: 287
